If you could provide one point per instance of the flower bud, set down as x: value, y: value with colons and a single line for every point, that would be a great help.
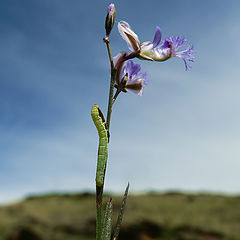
x: 110, y: 19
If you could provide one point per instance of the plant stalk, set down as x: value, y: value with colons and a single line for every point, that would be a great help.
x: 99, y: 190
x: 112, y: 82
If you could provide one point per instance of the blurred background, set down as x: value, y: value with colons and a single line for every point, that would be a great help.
x: 181, y: 135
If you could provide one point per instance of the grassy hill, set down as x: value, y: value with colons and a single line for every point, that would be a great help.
x: 172, y: 216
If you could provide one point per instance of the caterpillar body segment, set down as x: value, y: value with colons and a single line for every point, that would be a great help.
x: 100, y: 124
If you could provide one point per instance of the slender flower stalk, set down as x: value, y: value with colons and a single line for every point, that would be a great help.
x: 110, y: 19
x: 99, y: 189
x: 112, y: 83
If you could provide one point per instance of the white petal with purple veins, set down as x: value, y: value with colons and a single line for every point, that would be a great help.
x: 129, y: 36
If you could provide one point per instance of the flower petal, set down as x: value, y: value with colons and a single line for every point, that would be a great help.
x: 135, y: 78
x: 129, y: 36
x: 157, y: 37
x: 143, y: 75
x: 118, y: 57
x: 160, y: 53
x: 111, y: 9
x: 186, y: 55
x: 136, y: 87
x: 131, y: 68
x: 119, y: 64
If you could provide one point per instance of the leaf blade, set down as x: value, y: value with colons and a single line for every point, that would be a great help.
x: 120, y: 215
x: 107, y: 222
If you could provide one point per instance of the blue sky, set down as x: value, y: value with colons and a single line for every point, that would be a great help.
x: 183, y: 133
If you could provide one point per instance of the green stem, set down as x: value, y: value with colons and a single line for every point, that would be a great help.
x: 99, y: 206
x: 111, y: 90
x: 99, y: 190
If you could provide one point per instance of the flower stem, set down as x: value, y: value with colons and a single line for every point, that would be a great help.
x: 99, y: 190
x: 113, y: 76
x: 116, y: 95
x: 99, y: 206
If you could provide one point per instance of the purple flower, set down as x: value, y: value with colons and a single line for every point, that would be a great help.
x: 135, y: 78
x: 155, y: 52
x: 187, y: 55
x: 129, y: 76
x: 152, y: 50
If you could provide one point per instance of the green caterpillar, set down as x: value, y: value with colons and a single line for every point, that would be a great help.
x: 100, y: 124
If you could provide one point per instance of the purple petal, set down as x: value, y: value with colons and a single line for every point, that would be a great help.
x: 166, y: 44
x: 157, y: 37
x: 177, y: 41
x: 111, y: 8
x: 132, y: 69
x: 135, y: 79
x: 143, y: 75
x: 187, y: 56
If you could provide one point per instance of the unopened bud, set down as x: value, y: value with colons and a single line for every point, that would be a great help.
x: 110, y: 19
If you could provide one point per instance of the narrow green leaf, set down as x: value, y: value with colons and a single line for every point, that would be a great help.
x: 107, y: 222
x: 120, y: 216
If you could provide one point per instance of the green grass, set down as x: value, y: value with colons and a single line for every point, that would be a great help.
x: 152, y: 216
